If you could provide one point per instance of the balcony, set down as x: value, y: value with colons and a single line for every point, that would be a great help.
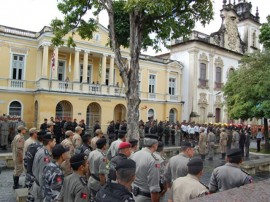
x: 95, y: 89
x: 173, y: 97
x: 16, y: 84
x: 218, y: 85
x: 203, y: 83
x: 152, y: 95
x: 65, y: 86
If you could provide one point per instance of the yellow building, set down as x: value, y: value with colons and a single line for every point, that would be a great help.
x: 39, y: 81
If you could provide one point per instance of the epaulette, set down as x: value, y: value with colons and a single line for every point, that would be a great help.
x: 83, y: 180
x: 153, y: 155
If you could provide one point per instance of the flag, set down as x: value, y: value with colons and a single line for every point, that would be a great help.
x: 69, y: 63
x: 53, y: 61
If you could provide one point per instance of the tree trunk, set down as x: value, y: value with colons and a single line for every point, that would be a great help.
x: 266, y: 135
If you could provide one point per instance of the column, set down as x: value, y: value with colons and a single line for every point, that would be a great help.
x: 168, y: 85
x: 85, y: 65
x: 44, y: 73
x: 76, y: 76
x: 55, y: 71
x: 179, y: 86
x: 111, y: 71
x: 196, y: 82
x: 103, y: 74
x: 211, y: 83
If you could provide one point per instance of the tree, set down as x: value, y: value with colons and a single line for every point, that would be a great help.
x: 130, y: 24
x: 247, y: 90
x: 265, y: 33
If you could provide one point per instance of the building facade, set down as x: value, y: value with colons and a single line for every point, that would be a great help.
x: 40, y: 81
x: 209, y: 59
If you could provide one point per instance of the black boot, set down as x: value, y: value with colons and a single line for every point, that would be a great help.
x: 4, y: 148
x: 16, y: 182
x: 223, y: 156
x: 203, y: 157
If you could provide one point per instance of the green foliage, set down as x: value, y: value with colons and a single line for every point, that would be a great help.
x: 265, y: 33
x: 247, y: 89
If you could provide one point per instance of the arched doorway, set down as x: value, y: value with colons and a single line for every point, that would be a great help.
x: 218, y: 115
x: 120, y: 112
x: 15, y: 109
x: 151, y: 115
x: 93, y: 114
x: 172, y: 115
x: 36, y: 114
x: 64, y: 109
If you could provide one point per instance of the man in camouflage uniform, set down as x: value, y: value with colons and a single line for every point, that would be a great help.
x: 211, y: 139
x: 223, y: 143
x: 75, y: 188
x: 68, y: 143
x: 86, y: 148
x: 77, y: 139
x: 42, y: 158
x: 17, y: 155
x: 5, y: 126
x: 53, y: 177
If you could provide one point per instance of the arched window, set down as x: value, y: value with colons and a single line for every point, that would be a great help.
x: 172, y: 116
x: 202, y: 71
x: 151, y: 114
x: 218, y: 74
x: 15, y: 108
x: 63, y: 110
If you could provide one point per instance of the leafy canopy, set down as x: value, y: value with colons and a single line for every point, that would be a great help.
x: 247, y: 89
x: 265, y: 33
x: 168, y: 19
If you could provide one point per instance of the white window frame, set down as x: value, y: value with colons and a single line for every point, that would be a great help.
x: 11, y: 66
x: 154, y: 112
x: 22, y: 107
x: 91, y: 71
x: 155, y: 83
x: 65, y: 69
x: 174, y: 87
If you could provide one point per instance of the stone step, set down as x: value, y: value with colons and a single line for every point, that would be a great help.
x: 8, y: 158
x: 21, y: 194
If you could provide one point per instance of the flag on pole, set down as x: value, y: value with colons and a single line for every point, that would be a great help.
x: 53, y: 61
x: 69, y: 63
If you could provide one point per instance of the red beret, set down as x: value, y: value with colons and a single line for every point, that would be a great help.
x: 124, y: 145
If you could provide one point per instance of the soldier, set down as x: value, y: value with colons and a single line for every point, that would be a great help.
x: 166, y: 133
x: 96, y: 126
x: 110, y: 132
x: 230, y: 175
x: 50, y: 126
x: 229, y: 141
x: 223, y: 143
x: 42, y: 158
x: 146, y: 186
x: 97, y: 161
x: 57, y: 130
x: 86, y: 148
x: 134, y: 146
x: 124, y: 152
x: 17, y: 155
x: 68, y: 143
x: 177, y: 165
x: 202, y: 143
x: 113, y: 149
x: 77, y: 140
x: 189, y: 187
x: 32, y: 139
x: 43, y: 126
x: 98, y: 135
x: 235, y: 139
x: 75, y: 185
x: 163, y: 162
x: 53, y: 177
x: 120, y: 191
x: 211, y: 139
x: 5, y: 126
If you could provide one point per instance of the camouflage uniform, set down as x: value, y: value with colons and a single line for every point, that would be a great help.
x: 77, y: 141
x: 66, y: 164
x: 53, y: 180
x: 5, y: 126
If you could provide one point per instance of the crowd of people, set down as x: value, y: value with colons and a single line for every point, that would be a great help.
x: 110, y: 167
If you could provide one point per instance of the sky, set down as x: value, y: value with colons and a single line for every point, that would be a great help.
x: 33, y: 15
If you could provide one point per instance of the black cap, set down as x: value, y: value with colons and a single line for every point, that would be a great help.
x: 234, y: 153
x: 101, y: 142
x: 48, y: 136
x: 85, y: 137
x: 77, y: 160
x: 58, y: 150
x: 195, y: 165
x: 133, y: 142
x: 126, y: 164
x: 41, y: 133
x: 151, y: 136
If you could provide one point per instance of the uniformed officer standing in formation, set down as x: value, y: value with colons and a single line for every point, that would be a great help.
x: 223, y: 143
x: 97, y: 167
x: 177, y: 165
x: 146, y: 186
x: 75, y: 185
x: 67, y: 142
x: 189, y: 187
x: 32, y: 139
x: 121, y: 190
x: 235, y: 139
x: 230, y: 175
x: 42, y: 158
x: 77, y: 139
x: 53, y: 177
x: 17, y: 155
x: 98, y: 135
x: 124, y: 152
x: 113, y: 149
x: 202, y: 143
x: 211, y: 139
x: 85, y: 147
x: 5, y: 125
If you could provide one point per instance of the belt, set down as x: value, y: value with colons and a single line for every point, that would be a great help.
x: 95, y: 177
x: 146, y: 194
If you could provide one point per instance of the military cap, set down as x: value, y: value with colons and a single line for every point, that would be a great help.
x: 124, y: 145
x: 101, y: 142
x: 21, y: 127
x: 50, y: 123
x: 78, y: 159
x: 187, y: 144
x: 48, y: 136
x: 133, y: 142
x: 234, y: 153
x: 150, y: 139
x: 58, y: 150
x: 41, y: 133
x: 126, y: 164
x: 85, y: 137
x: 33, y: 130
x: 195, y: 165
x: 68, y: 133
x: 79, y: 128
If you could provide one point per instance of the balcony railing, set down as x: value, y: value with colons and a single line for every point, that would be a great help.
x: 203, y: 83
x: 16, y: 83
x: 152, y: 95
x: 218, y: 85
x: 94, y: 89
x: 62, y: 85
x: 173, y: 97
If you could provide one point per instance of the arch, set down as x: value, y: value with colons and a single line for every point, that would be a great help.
x: 120, y: 112
x: 151, y: 114
x: 173, y: 115
x: 64, y: 109
x: 36, y: 113
x: 15, y: 108
x: 93, y: 114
